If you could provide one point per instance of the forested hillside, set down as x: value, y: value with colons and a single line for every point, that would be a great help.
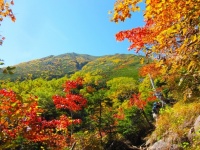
x: 66, y: 64
x: 50, y: 67
x: 107, y: 83
x: 118, y: 65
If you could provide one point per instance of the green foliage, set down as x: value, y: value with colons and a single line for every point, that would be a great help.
x: 120, y: 89
x: 145, y: 88
x: 41, y: 88
x: 118, y: 65
x: 23, y: 144
x: 109, y: 82
x: 111, y: 66
x: 50, y: 67
x: 134, y: 125
x: 185, y: 145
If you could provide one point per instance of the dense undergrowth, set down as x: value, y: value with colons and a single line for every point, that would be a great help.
x: 174, y: 124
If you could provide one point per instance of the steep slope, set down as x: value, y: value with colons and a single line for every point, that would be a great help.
x: 50, y: 67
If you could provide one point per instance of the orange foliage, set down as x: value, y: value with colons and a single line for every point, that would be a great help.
x: 171, y: 31
x: 137, y: 101
x: 19, y: 118
x: 151, y: 69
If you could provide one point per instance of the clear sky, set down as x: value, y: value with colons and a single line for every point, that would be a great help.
x: 53, y: 27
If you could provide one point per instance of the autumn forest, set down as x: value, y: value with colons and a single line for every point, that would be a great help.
x: 111, y: 102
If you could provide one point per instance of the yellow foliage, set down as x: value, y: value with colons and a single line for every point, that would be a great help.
x: 176, y: 121
x: 123, y: 9
x: 171, y: 32
x: 5, y: 10
x: 88, y: 141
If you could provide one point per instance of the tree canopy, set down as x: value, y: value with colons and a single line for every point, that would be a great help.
x: 170, y: 36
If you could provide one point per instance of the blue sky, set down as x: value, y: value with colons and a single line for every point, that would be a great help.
x: 55, y: 27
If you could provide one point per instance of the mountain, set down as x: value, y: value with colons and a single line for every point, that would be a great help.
x: 69, y: 63
x: 110, y: 66
x: 50, y: 67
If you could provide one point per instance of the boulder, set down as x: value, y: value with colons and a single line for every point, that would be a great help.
x: 194, y: 130
x: 159, y: 145
x: 163, y: 145
x: 197, y: 125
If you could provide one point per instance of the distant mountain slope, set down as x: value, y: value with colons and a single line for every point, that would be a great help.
x: 50, y: 67
x: 109, y: 66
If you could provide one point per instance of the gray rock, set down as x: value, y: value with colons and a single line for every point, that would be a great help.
x: 194, y: 130
x: 162, y: 145
x: 197, y: 124
x: 159, y: 145
x: 191, y: 134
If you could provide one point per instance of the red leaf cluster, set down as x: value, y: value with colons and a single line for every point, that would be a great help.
x: 137, y: 101
x: 72, y: 84
x: 137, y: 36
x: 74, y: 102
x: 71, y: 101
x: 21, y: 118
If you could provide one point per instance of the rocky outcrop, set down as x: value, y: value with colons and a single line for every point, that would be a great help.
x: 197, y: 125
x: 164, y: 145
x: 166, y: 142
x: 194, y: 130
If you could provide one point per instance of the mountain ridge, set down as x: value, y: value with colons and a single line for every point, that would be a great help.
x: 66, y: 64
